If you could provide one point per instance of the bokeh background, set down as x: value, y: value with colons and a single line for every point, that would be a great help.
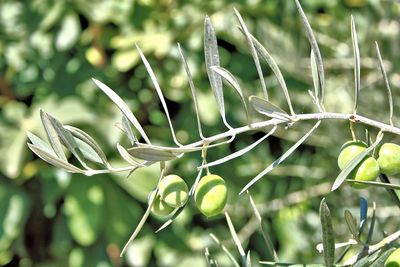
x: 49, y: 50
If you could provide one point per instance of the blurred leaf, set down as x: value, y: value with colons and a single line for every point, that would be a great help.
x: 356, y: 51
x: 380, y: 261
x: 151, y: 154
x: 69, y: 33
x: 85, y: 207
x: 128, y: 130
x: 351, y: 224
x: 235, y: 239
x: 327, y: 233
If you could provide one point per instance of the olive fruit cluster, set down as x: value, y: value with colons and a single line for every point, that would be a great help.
x: 394, y: 259
x: 173, y: 193
x: 388, y: 161
x: 210, y: 195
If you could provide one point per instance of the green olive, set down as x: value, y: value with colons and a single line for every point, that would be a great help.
x: 159, y: 208
x: 367, y: 170
x: 350, y: 150
x: 173, y: 190
x: 389, y: 158
x: 394, y: 259
x: 211, y: 195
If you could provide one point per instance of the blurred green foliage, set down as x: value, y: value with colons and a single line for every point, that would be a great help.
x: 49, y: 50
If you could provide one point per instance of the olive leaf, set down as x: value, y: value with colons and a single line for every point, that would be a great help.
x: 123, y: 107
x: 236, y: 240
x: 352, y: 225
x: 280, y: 159
x: 87, y: 139
x: 52, y: 136
x: 159, y: 93
x: 353, y: 163
x: 363, y: 213
x: 317, y: 53
x: 212, y: 59
x: 356, y: 53
x: 385, y: 78
x: 239, y: 152
x: 126, y: 156
x: 328, y: 238
x: 266, y: 108
x: 128, y: 130
x: 37, y: 141
x: 392, y: 193
x: 53, y: 160
x: 262, y: 51
x: 371, y: 224
x: 232, y: 81
x: 224, y: 249
x: 192, y: 89
x: 253, y: 52
x: 151, y: 154
x: 380, y: 261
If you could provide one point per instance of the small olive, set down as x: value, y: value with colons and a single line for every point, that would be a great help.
x: 159, y: 207
x: 173, y: 190
x: 211, y: 195
x: 389, y: 158
x: 394, y: 259
x: 367, y: 170
x: 349, y: 150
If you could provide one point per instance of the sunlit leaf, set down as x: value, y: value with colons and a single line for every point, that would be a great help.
x: 328, y: 238
x: 128, y: 130
x: 279, y: 160
x: 253, y: 53
x: 37, y: 141
x: 266, y: 108
x: 356, y: 51
x: 151, y: 154
x: 159, y: 92
x: 235, y: 239
x: 53, y: 160
x: 123, y: 107
x: 52, y: 136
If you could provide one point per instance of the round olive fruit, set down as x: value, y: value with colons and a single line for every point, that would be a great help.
x: 211, y: 195
x: 394, y: 259
x: 159, y: 207
x: 173, y: 190
x: 349, y: 150
x: 367, y: 170
x: 389, y: 158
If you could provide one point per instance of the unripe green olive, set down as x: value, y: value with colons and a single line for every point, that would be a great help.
x: 173, y: 190
x: 211, y: 195
x: 159, y: 207
x: 394, y: 259
x: 367, y: 170
x: 389, y: 158
x: 349, y: 150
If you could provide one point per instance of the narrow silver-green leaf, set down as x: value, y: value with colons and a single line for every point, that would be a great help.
x: 192, y: 89
x: 235, y: 238
x: 53, y: 160
x: 145, y: 216
x: 253, y: 53
x: 262, y: 51
x: 151, y: 154
x: 159, y: 93
x: 315, y: 48
x: 52, y: 136
x: 266, y: 108
x: 212, y: 59
x: 263, y: 228
x: 380, y: 261
x: 328, y: 238
x: 315, y: 77
x: 85, y: 137
x: 356, y: 52
x: 37, y: 141
x: 351, y: 224
x: 385, y: 78
x: 123, y: 107
x: 377, y: 184
x: 248, y: 259
x: 232, y: 81
x: 239, y: 152
x: 126, y: 156
x: 385, y: 179
x: 128, y: 130
x: 67, y: 139
x: 280, y: 159
x: 225, y: 250
x: 353, y: 163
x: 87, y: 151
